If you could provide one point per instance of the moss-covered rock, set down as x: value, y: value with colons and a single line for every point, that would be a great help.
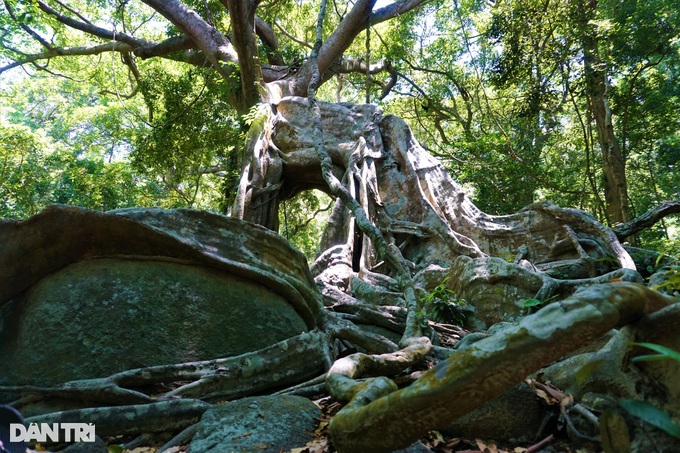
x: 101, y: 316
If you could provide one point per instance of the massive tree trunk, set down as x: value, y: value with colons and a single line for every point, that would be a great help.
x: 407, y: 194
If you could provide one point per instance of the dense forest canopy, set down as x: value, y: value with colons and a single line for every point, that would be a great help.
x: 111, y: 104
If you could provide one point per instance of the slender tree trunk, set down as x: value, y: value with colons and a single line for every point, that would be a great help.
x: 613, y: 161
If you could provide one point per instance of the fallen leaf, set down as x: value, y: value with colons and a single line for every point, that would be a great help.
x: 567, y: 401
x: 544, y: 396
x: 546, y: 391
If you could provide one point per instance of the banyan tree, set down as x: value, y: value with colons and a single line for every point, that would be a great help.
x: 139, y: 320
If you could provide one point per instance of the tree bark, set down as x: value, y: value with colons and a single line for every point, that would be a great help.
x: 242, y: 13
x: 613, y: 160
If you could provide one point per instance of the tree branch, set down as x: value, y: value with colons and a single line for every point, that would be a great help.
x: 647, y: 219
x: 70, y: 51
x: 266, y: 34
x: 26, y: 28
x: 343, y: 36
x: 395, y: 9
x: 90, y: 28
x: 140, y: 47
x: 76, y: 13
x: 242, y: 14
x: 163, y: 48
x: 293, y: 38
x: 214, y: 44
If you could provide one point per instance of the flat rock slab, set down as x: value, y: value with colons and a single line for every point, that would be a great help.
x: 262, y: 423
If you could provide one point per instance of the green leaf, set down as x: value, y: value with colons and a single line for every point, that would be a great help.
x: 652, y: 415
x: 663, y: 353
x: 531, y: 302
x: 113, y: 448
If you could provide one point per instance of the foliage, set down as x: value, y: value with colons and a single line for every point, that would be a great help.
x: 442, y: 305
x: 671, y: 274
x: 189, y: 146
x: 533, y: 302
x: 499, y: 94
x: 302, y: 220
x: 24, y: 182
x: 662, y: 353
x: 652, y: 415
x: 672, y: 283
x: 36, y: 172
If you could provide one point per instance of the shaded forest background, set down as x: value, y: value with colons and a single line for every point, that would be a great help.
x: 501, y: 92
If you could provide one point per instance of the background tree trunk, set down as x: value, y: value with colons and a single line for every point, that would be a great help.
x: 613, y: 161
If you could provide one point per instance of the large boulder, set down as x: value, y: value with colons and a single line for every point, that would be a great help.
x: 262, y: 423
x: 87, y: 294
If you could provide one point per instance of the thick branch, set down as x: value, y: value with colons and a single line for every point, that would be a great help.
x: 354, y: 23
x: 214, y: 45
x: 647, y: 219
x: 395, y: 9
x: 163, y: 48
x: 343, y: 36
x: 266, y: 33
x: 242, y: 14
x: 123, y: 43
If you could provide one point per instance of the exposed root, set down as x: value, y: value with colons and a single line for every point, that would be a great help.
x: 182, y: 438
x: 489, y: 367
x: 286, y: 362
x: 341, y: 380
x: 647, y: 219
x: 126, y: 420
